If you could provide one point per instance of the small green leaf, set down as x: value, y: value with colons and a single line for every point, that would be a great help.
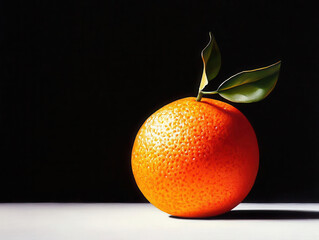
x: 250, y: 86
x: 211, y: 61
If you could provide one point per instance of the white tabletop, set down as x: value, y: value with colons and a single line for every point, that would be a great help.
x: 143, y: 221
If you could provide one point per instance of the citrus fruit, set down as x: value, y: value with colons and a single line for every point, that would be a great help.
x: 199, y: 157
x: 195, y: 158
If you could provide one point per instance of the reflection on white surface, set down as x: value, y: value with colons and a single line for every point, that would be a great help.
x: 143, y: 221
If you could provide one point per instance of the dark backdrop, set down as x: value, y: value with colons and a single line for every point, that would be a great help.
x: 79, y: 78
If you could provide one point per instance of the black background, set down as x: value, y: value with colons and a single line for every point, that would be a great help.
x: 79, y: 78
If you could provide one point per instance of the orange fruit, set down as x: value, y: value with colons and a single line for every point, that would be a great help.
x: 195, y: 159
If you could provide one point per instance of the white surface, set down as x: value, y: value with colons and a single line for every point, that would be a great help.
x: 143, y: 221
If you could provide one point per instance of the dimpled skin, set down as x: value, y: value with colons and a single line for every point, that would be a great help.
x: 195, y: 159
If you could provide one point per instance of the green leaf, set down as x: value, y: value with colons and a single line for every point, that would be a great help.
x: 211, y: 61
x: 250, y: 86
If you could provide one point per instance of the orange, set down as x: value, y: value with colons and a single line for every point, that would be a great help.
x: 195, y: 159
